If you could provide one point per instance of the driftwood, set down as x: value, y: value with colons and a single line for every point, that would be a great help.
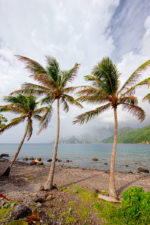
x: 109, y: 198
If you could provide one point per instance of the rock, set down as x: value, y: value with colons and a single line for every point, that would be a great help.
x: 94, y: 190
x: 32, y: 163
x: 75, y: 191
x: 21, y: 211
x: 31, y: 158
x: 49, y: 197
x: 36, y: 162
x: 130, y: 172
x: 25, y: 159
x: 49, y: 160
x: 42, y: 188
x: 105, y: 163
x: 38, y: 159
x: 126, y: 165
x: 40, y: 197
x: 68, y: 160
x: 95, y: 159
x: 142, y: 170
x: 59, y: 160
x: 4, y: 155
x: 38, y: 205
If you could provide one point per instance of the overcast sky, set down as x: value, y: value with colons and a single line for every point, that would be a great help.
x: 82, y: 31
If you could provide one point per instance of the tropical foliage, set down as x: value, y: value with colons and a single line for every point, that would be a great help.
x: 54, y: 85
x: 104, y: 89
x: 3, y: 120
x: 26, y: 106
x: 131, y: 135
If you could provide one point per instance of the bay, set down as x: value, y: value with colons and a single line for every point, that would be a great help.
x: 128, y: 157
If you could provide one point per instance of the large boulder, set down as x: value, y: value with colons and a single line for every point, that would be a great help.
x: 21, y: 211
x: 142, y: 170
x: 4, y: 155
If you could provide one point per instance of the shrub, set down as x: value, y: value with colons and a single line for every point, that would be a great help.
x: 135, y: 207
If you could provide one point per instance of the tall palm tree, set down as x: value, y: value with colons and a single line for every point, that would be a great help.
x: 105, y: 89
x: 27, y: 107
x: 3, y: 120
x: 54, y: 86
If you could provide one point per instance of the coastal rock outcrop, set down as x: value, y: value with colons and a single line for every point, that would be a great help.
x: 142, y: 170
x: 4, y: 155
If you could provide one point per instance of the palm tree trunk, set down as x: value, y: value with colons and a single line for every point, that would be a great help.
x: 7, y: 171
x: 112, y: 189
x: 49, y: 183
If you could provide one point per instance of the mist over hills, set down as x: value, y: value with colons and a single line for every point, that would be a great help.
x: 125, y: 135
x: 132, y: 135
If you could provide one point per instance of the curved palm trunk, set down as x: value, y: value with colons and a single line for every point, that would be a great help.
x: 112, y: 189
x: 7, y: 171
x: 49, y: 183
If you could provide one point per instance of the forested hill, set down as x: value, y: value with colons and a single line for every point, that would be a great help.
x: 131, y: 135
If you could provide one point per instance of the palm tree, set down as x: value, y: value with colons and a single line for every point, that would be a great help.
x: 54, y: 86
x: 105, y: 89
x: 3, y: 120
x: 27, y: 107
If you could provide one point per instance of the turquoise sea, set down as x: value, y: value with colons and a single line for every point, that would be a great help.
x: 128, y: 158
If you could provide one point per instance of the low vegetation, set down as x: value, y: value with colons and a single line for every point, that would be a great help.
x: 77, y: 205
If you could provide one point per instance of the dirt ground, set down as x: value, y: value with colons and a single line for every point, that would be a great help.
x: 29, y: 178
x: 25, y: 181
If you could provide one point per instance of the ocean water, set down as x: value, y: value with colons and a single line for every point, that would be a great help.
x: 133, y: 155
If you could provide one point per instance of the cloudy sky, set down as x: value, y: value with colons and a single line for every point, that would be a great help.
x: 82, y: 31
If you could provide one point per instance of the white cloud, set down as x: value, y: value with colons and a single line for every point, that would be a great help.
x: 72, y: 31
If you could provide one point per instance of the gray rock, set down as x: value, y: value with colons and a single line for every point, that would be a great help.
x: 38, y: 205
x: 105, y: 163
x: 68, y: 160
x: 4, y: 155
x: 21, y: 211
x: 95, y: 159
x: 142, y: 170
x: 49, y: 160
x: 25, y: 159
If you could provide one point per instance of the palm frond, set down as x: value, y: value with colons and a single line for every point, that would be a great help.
x: 29, y: 88
x: 53, y: 68
x: 147, y: 98
x: 13, y: 123
x: 71, y: 100
x: 44, y: 79
x: 40, y: 110
x: 130, y: 91
x: 135, y: 110
x: 135, y: 76
x: 68, y: 76
x: 11, y: 108
x: 69, y: 89
x: 48, y: 99
x: 45, y: 119
x: 128, y: 99
x: 85, y: 117
x: 37, y: 117
x: 31, y: 65
x: 107, y: 75
x: 95, y: 81
x: 65, y: 105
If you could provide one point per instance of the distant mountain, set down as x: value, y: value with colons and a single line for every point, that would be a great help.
x: 131, y: 135
x: 77, y: 140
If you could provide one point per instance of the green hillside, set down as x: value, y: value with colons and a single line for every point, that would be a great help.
x: 131, y: 135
